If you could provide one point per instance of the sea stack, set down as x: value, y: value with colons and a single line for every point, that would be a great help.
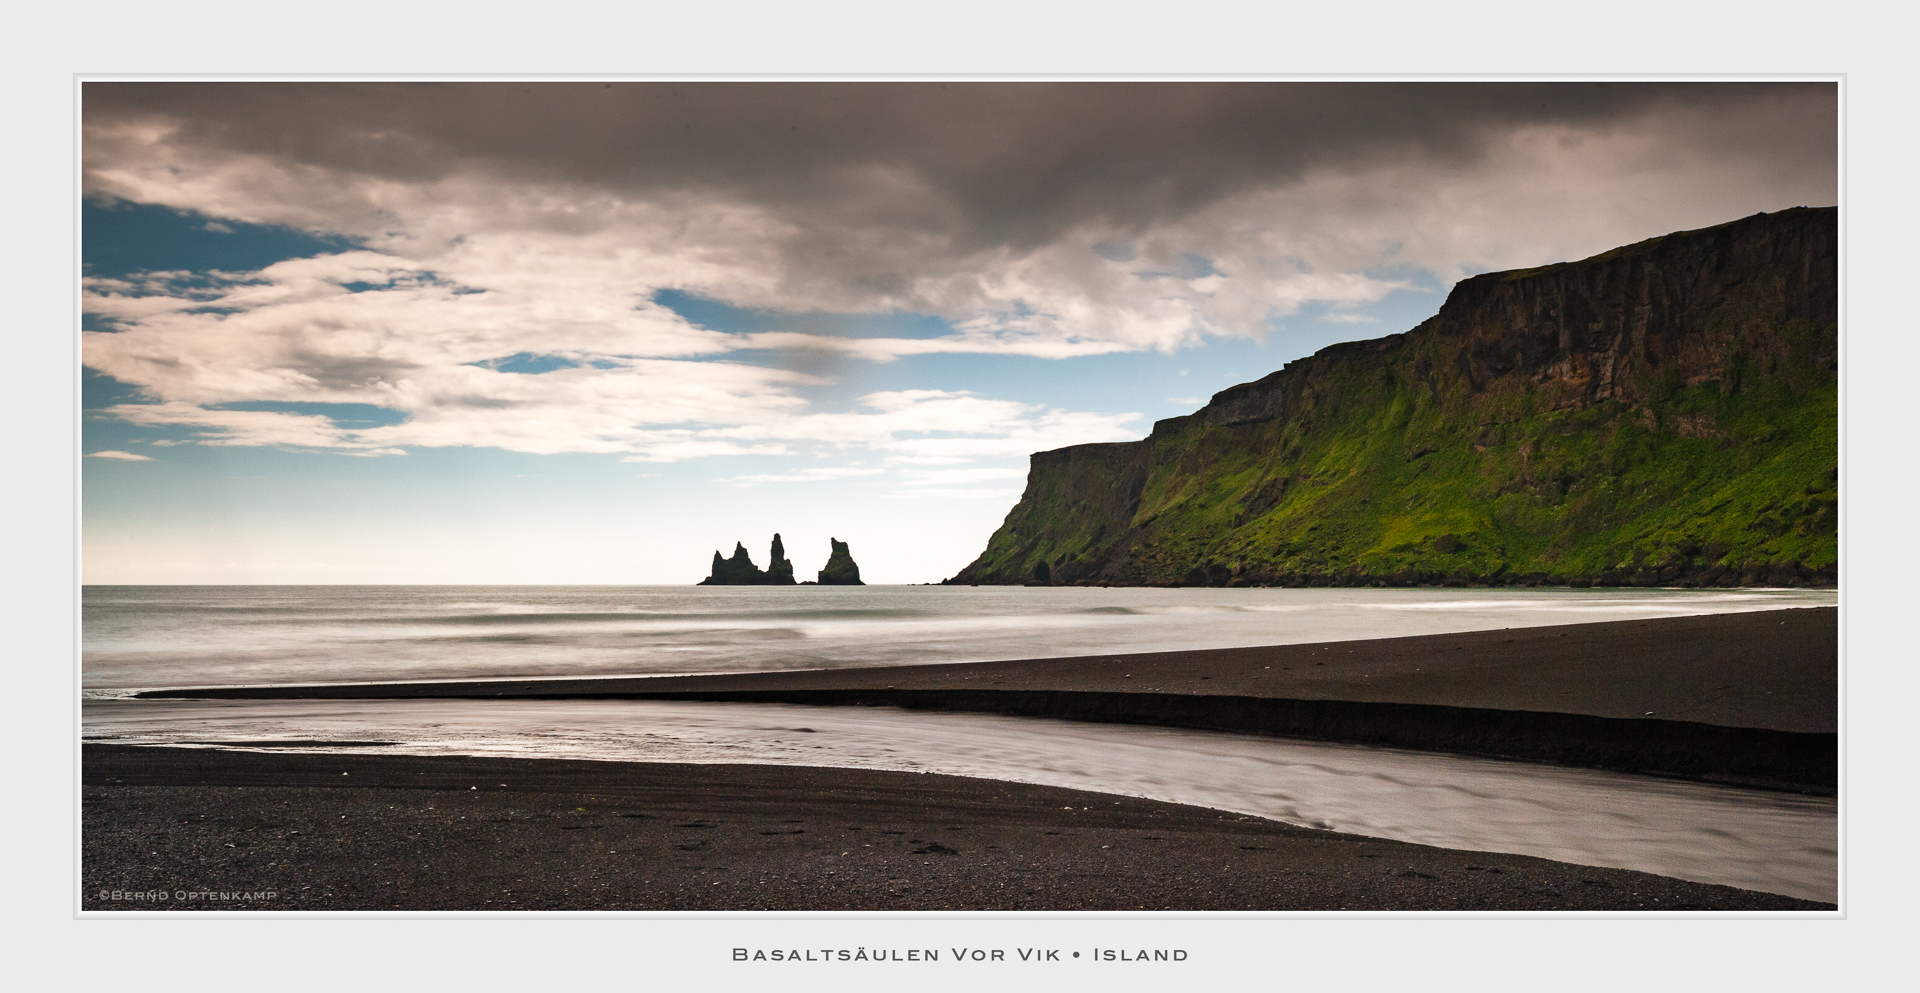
x: 841, y: 570
x: 740, y: 570
x: 779, y: 569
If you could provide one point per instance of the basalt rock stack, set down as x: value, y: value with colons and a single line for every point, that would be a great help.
x: 779, y: 569
x: 841, y: 570
x: 1665, y: 413
x: 740, y: 570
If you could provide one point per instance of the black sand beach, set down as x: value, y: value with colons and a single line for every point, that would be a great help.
x: 1743, y: 697
x: 217, y: 830
x: 1749, y: 698
x: 1773, y: 669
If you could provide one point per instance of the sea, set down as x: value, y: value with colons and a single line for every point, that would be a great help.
x: 146, y: 637
x: 153, y: 637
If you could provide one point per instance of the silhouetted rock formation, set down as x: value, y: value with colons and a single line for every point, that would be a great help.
x: 841, y: 570
x: 779, y: 569
x: 740, y: 570
x: 737, y: 571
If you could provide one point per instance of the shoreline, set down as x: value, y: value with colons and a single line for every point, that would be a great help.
x: 1745, y: 699
x: 361, y: 832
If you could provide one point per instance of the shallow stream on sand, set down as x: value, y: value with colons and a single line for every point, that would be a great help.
x: 1752, y: 839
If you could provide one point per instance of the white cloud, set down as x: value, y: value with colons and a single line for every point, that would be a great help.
x: 950, y: 477
x: 925, y: 460
x: 674, y: 448
x: 996, y: 341
x: 423, y: 345
x: 954, y: 493
x: 121, y: 456
x: 950, y: 426
x: 624, y: 376
x: 243, y: 427
x: 813, y: 475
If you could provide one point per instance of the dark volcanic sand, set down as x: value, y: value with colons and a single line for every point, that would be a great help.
x: 1774, y: 669
x: 407, y: 832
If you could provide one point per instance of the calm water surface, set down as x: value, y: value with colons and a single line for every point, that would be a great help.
x: 158, y: 636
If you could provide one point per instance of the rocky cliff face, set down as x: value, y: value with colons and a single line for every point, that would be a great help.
x: 1663, y: 413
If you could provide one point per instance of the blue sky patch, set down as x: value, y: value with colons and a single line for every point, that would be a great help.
x: 530, y: 364
x: 718, y: 316
x: 119, y: 238
x: 98, y: 390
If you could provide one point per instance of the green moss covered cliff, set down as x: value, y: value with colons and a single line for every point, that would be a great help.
x: 1663, y: 413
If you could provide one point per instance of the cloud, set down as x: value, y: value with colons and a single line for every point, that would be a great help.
x: 626, y: 376
x: 954, y: 493
x: 950, y: 477
x: 944, y: 426
x: 367, y: 328
x: 121, y: 456
x: 506, y: 220
x: 244, y: 427
x: 989, y: 164
x: 1069, y: 211
x: 813, y: 475
x: 672, y: 446
x: 981, y: 341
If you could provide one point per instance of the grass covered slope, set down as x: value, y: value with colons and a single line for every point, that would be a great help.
x: 1663, y: 413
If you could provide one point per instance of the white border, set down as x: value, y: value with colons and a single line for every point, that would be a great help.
x: 1631, y: 39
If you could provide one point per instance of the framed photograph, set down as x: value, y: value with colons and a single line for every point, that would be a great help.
x: 651, y: 496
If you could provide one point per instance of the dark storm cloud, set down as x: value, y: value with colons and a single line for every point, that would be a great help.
x: 1011, y: 164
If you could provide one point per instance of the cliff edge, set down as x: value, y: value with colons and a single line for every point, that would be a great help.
x: 1665, y: 413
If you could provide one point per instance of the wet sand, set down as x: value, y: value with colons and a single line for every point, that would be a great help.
x: 1773, y: 669
x: 222, y: 830
x: 1748, y: 698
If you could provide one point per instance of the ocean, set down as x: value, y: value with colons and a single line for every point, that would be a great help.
x: 146, y: 637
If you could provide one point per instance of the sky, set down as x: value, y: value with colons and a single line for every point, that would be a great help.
x: 591, y: 332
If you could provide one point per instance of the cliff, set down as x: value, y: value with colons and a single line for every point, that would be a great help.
x: 1663, y: 413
